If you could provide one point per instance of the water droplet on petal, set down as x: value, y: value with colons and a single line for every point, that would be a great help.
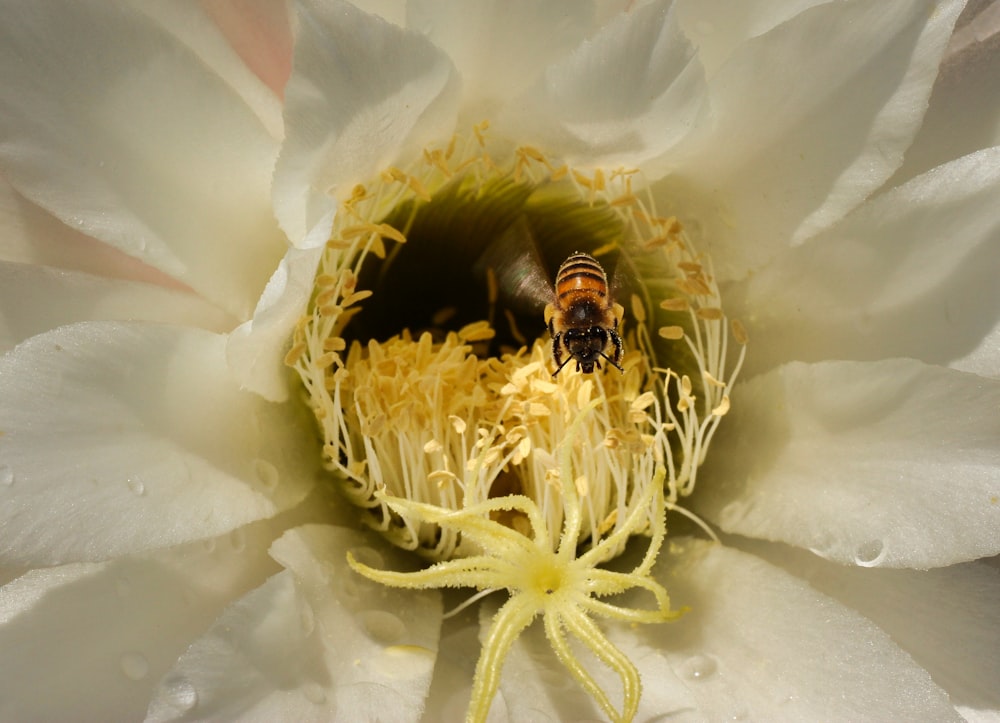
x: 699, y: 667
x: 134, y: 666
x: 308, y: 619
x: 314, y: 693
x: 238, y: 540
x: 266, y: 473
x: 181, y: 694
x: 208, y: 544
x: 870, y: 553
x: 123, y: 587
x: 381, y: 626
x: 6, y: 475
x: 136, y: 485
x: 704, y: 27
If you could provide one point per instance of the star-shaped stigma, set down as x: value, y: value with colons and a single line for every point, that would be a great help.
x: 562, y: 586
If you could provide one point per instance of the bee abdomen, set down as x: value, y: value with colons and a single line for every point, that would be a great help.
x: 581, y: 273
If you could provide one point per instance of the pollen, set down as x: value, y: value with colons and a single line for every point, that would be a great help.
x: 464, y: 448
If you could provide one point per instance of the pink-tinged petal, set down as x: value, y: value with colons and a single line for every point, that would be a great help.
x: 122, y: 130
x: 761, y: 644
x: 808, y: 119
x: 910, y: 273
x: 257, y: 348
x: 31, y: 235
x: 948, y: 619
x: 35, y: 299
x: 364, y: 94
x: 964, y: 111
x: 260, y: 31
x: 500, y: 46
x: 890, y: 463
x: 89, y: 641
x: 624, y: 97
x: 314, y: 643
x: 142, y: 425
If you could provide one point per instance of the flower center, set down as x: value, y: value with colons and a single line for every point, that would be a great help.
x: 427, y: 360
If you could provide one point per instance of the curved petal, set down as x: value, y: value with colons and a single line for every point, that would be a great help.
x: 142, y: 425
x: 314, y: 643
x: 120, y: 130
x: 948, y: 619
x: 719, y: 27
x: 256, y: 349
x: 229, y: 55
x: 500, y: 46
x: 964, y: 111
x: 35, y: 299
x: 808, y: 119
x: 910, y: 273
x: 117, y: 626
x: 582, y: 110
x: 260, y: 31
x: 364, y: 94
x: 760, y: 644
x: 889, y: 463
x: 31, y: 235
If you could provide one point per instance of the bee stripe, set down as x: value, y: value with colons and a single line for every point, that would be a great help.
x: 581, y: 274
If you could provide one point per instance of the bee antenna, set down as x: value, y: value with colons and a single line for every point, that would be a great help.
x: 566, y: 361
x: 610, y: 361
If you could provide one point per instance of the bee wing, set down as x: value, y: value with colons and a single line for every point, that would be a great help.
x: 513, y: 261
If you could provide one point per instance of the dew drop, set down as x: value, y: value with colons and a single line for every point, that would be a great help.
x: 314, y: 693
x: 382, y: 627
x: 136, y: 486
x: 6, y: 475
x: 181, y: 694
x: 870, y: 553
x: 704, y: 27
x: 238, y: 540
x: 134, y: 666
x: 266, y: 473
x: 699, y: 667
x: 209, y: 544
x: 307, y: 618
x: 123, y: 587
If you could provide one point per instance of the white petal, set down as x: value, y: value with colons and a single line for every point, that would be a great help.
x: 948, y: 619
x: 718, y: 27
x: 889, y: 463
x: 964, y: 111
x: 115, y: 627
x: 910, y: 273
x: 122, y: 131
x: 500, y: 46
x: 190, y: 24
x: 123, y: 437
x: 312, y: 643
x: 760, y: 644
x: 984, y: 360
x: 364, y: 95
x: 584, y: 109
x: 34, y: 299
x: 809, y: 119
x: 257, y: 348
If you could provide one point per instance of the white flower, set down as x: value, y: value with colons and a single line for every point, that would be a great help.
x: 165, y: 545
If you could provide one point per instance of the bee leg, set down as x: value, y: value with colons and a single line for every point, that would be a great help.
x: 617, y: 341
x: 557, y: 355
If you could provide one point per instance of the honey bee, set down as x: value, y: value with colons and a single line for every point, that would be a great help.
x: 579, y: 309
x: 583, y: 317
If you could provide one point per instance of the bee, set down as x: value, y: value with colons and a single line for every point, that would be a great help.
x: 579, y: 309
x: 583, y: 317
